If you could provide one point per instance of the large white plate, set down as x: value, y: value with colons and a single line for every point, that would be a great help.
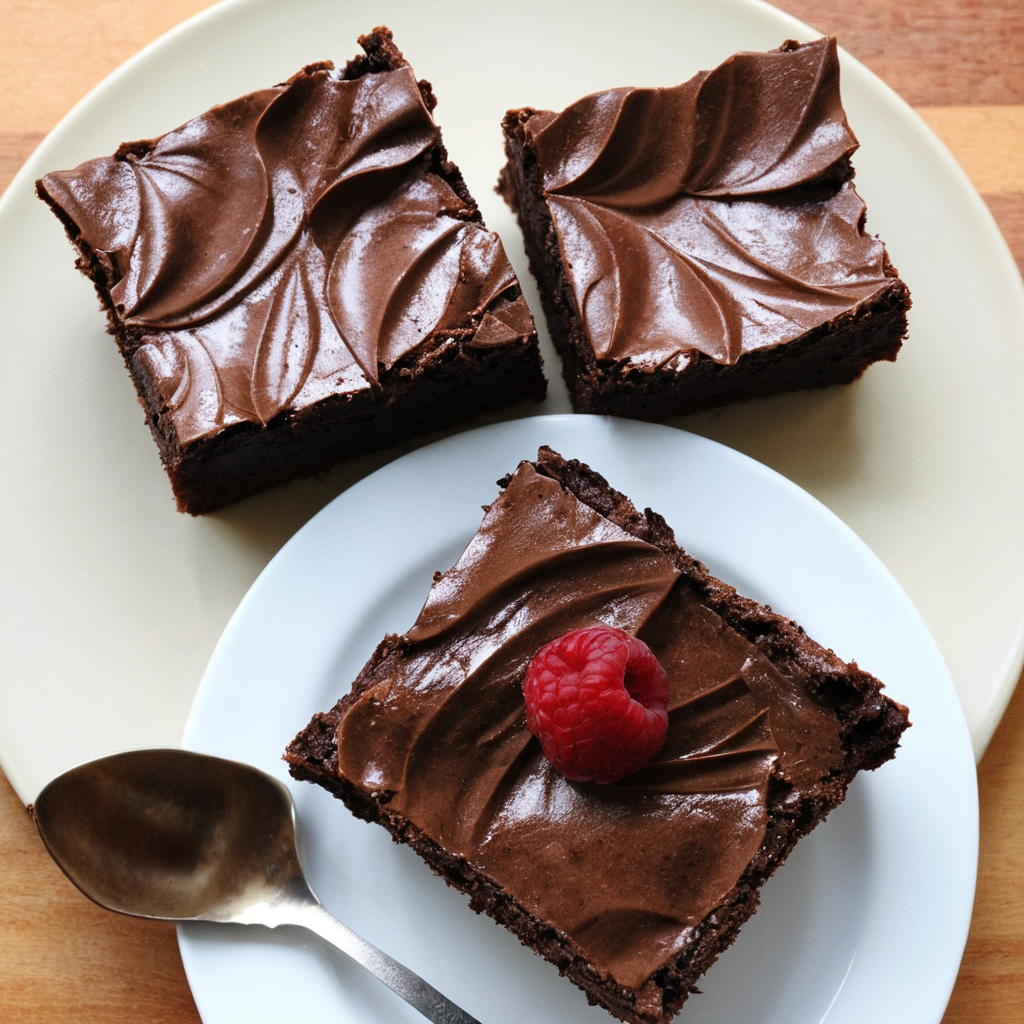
x: 110, y: 602
x: 867, y: 920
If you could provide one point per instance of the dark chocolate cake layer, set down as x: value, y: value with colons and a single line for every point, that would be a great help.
x: 299, y: 276
x: 704, y: 244
x: 634, y: 888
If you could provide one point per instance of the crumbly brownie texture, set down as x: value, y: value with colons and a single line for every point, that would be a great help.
x: 632, y: 890
x: 722, y: 260
x: 297, y: 277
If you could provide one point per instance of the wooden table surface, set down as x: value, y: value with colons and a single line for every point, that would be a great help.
x: 959, y: 62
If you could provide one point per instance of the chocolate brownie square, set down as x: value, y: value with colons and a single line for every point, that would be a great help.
x: 297, y: 277
x: 704, y: 244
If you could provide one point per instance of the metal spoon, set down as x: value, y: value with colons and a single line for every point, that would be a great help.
x: 179, y: 836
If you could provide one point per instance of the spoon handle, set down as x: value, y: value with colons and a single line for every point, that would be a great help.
x: 404, y: 982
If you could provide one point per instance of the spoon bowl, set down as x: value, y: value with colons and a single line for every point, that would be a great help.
x: 179, y: 836
x: 156, y: 833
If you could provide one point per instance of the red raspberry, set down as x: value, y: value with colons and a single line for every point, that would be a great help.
x: 597, y: 701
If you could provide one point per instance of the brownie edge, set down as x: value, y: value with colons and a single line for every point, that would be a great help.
x: 870, y: 726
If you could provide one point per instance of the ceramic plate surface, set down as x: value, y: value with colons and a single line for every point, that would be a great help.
x: 111, y: 602
x: 851, y: 929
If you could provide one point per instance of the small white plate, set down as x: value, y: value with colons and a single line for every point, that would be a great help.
x: 866, y: 922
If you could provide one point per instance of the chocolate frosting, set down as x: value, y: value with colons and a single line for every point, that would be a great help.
x: 626, y: 870
x: 687, y: 218
x: 287, y: 246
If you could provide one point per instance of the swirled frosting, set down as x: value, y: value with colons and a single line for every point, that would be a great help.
x: 288, y: 246
x: 712, y: 217
x: 627, y: 870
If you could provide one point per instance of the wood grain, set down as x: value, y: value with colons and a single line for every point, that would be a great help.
x: 934, y: 53
x: 961, y: 62
x: 988, y: 142
x: 55, y: 51
x: 990, y: 986
x: 63, y: 959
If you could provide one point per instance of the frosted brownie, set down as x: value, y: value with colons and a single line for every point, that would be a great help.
x: 631, y: 889
x: 299, y: 276
x: 704, y: 243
